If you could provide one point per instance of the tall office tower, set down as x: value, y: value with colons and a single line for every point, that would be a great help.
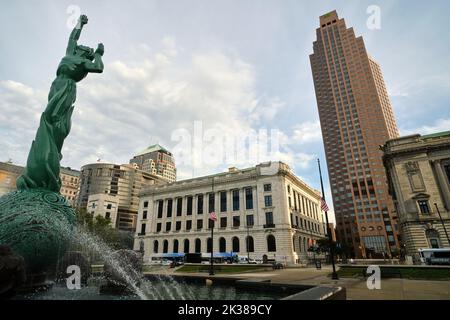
x: 356, y: 118
x: 156, y: 160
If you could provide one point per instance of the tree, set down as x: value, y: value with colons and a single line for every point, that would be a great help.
x: 98, y: 226
x: 323, y: 245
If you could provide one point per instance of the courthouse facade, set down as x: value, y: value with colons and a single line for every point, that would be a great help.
x: 265, y: 212
x: 418, y: 171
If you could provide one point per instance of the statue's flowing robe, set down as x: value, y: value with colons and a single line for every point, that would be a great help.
x: 43, y: 164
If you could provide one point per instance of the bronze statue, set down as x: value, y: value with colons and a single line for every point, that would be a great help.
x: 42, y: 170
x: 36, y: 221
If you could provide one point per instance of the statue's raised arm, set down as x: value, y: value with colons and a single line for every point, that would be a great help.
x: 75, y: 35
x: 96, y: 65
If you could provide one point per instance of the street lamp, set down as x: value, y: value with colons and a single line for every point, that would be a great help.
x: 334, y: 275
x: 248, y: 242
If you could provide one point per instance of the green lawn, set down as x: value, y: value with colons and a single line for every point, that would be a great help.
x: 400, y: 272
x: 145, y: 268
x: 221, y: 268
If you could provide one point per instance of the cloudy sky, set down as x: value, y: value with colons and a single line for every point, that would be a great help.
x: 188, y: 74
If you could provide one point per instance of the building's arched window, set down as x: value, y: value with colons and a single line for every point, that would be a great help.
x: 250, y: 244
x: 222, y: 245
x: 209, y: 245
x: 175, y: 246
x: 155, y: 246
x: 271, y: 243
x: 198, y: 246
x: 236, y: 244
x: 165, y: 246
x: 186, y: 246
x: 293, y: 244
x: 300, y: 244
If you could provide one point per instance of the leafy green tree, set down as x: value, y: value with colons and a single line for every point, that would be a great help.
x: 99, y: 226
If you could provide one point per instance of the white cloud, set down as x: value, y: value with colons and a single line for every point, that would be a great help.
x: 438, y: 126
x: 307, y: 132
x: 421, y: 85
x: 137, y: 102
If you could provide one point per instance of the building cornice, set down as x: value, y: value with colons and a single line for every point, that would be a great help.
x: 225, y: 178
x: 394, y: 148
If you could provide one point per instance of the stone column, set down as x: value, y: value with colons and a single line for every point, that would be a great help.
x: 442, y: 183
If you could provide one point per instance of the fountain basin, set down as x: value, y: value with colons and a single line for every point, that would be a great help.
x: 195, y: 288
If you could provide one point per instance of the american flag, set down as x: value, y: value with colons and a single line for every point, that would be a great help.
x: 323, y: 205
x: 213, y: 216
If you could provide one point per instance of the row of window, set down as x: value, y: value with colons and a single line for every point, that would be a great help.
x: 211, y: 198
x: 304, y: 224
x: 223, y: 223
x: 235, y: 245
x: 302, y: 204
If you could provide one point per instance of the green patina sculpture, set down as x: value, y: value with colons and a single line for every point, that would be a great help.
x: 35, y: 220
x: 42, y: 170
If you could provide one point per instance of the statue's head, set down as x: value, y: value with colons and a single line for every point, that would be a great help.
x: 85, y: 52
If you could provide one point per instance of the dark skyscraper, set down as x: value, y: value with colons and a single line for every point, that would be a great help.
x: 356, y: 118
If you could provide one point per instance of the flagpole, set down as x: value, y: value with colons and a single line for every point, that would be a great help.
x: 211, y: 262
x: 334, y: 275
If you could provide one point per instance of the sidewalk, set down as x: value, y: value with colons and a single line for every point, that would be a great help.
x: 391, y: 289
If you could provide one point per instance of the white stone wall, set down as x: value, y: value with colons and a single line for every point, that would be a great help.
x: 424, y: 160
x: 283, y: 231
x: 98, y: 206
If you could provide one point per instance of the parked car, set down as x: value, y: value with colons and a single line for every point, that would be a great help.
x: 243, y: 260
x: 166, y: 262
x: 175, y: 264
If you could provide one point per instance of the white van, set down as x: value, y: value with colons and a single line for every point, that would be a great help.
x: 242, y: 260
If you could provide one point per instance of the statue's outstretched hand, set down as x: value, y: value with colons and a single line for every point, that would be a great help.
x: 83, y: 20
x: 100, y: 49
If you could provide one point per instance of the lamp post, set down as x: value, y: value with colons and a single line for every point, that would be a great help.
x: 334, y: 275
x: 211, y: 218
x: 442, y: 222
x: 211, y: 264
x: 248, y: 242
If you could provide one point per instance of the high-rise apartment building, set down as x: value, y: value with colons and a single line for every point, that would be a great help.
x: 356, y: 118
x: 122, y: 181
x: 158, y: 161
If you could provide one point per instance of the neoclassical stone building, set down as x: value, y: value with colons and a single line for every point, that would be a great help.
x: 265, y: 210
x: 418, y: 171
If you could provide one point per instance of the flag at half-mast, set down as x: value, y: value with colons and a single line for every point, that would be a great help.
x: 323, y: 205
x: 212, y: 216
